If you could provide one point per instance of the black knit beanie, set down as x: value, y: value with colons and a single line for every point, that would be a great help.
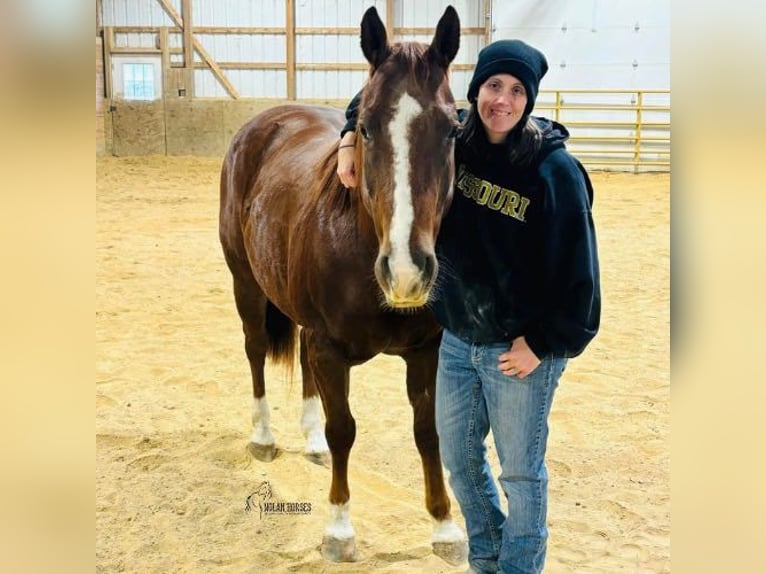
x: 512, y: 57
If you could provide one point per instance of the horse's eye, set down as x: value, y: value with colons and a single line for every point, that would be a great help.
x: 363, y: 131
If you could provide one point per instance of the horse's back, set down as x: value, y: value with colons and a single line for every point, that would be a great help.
x: 280, y: 129
x: 282, y: 147
x: 274, y: 154
x: 272, y: 173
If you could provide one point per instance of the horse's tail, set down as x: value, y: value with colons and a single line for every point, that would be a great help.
x: 281, y: 332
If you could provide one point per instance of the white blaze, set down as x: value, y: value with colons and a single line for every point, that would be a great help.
x: 403, y: 213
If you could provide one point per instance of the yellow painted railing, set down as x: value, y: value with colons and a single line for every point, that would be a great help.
x: 611, y: 129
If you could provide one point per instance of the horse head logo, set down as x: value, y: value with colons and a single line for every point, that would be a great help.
x: 261, y: 494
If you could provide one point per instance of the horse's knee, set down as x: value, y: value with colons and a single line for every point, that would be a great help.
x: 340, y: 434
x: 426, y: 438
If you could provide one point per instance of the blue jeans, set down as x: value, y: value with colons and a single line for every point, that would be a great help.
x: 472, y: 397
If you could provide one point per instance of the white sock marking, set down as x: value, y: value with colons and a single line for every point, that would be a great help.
x: 403, y: 214
x: 339, y: 526
x: 446, y: 531
x: 261, y: 418
x: 311, y: 425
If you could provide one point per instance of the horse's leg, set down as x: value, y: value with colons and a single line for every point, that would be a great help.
x: 317, y: 450
x: 447, y: 539
x: 251, y: 305
x: 331, y: 374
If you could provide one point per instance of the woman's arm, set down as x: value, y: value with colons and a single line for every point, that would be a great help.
x: 572, y: 268
x: 346, y: 148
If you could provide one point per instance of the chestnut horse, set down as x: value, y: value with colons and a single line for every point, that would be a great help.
x: 353, y: 269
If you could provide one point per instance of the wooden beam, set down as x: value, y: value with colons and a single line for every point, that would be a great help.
x: 390, y: 31
x: 188, y: 46
x: 424, y: 31
x: 246, y: 65
x: 316, y: 66
x: 334, y: 67
x: 135, y: 51
x: 136, y: 29
x: 108, y: 48
x: 178, y: 21
x: 266, y: 30
x: 290, y: 47
x: 327, y: 31
x: 164, y: 44
x: 187, y: 35
x: 303, y: 31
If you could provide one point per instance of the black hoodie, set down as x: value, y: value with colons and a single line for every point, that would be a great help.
x: 517, y: 249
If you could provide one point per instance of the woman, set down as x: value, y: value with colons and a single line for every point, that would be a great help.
x: 521, y: 297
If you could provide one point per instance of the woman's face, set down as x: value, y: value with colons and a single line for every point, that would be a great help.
x: 501, y: 102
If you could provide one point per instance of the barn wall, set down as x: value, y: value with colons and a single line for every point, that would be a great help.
x: 180, y: 127
x: 608, y: 81
x: 204, y: 123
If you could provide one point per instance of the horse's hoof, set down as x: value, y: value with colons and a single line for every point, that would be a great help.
x: 453, y: 553
x: 262, y: 452
x: 320, y: 458
x: 339, y: 549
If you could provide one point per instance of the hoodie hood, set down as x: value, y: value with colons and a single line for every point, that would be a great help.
x: 554, y: 135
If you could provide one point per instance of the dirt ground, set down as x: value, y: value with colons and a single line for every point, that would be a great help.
x: 173, y: 404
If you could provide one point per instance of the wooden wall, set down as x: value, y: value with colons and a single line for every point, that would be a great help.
x: 202, y: 127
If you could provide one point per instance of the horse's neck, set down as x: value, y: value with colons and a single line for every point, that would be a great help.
x: 365, y: 224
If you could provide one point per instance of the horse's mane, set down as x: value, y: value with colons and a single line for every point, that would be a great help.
x: 330, y: 188
x: 412, y: 55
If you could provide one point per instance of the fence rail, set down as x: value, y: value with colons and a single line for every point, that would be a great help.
x: 629, y: 128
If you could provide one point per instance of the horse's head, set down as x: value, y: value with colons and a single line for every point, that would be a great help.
x: 407, y: 125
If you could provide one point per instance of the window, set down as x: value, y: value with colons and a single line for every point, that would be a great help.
x: 138, y: 81
x: 137, y: 78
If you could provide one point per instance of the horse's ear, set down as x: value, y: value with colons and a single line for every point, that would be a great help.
x: 446, y: 40
x: 374, y: 39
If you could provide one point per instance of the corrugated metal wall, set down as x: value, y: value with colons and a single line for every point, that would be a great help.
x: 589, y: 43
x: 600, y: 45
x: 319, y: 48
x: 593, y: 44
x: 324, y: 48
x: 427, y: 13
x: 244, y: 48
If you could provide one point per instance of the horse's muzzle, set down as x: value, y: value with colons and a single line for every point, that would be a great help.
x: 406, y: 286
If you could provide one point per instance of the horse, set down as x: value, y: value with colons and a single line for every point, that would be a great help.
x: 354, y: 269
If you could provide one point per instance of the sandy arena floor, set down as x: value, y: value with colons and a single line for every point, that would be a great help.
x: 173, y: 400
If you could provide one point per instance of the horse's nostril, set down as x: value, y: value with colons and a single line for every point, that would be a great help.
x: 426, y: 263
x: 384, y: 268
x: 429, y: 267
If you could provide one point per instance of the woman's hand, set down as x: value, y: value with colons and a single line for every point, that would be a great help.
x: 346, y: 158
x: 519, y: 361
